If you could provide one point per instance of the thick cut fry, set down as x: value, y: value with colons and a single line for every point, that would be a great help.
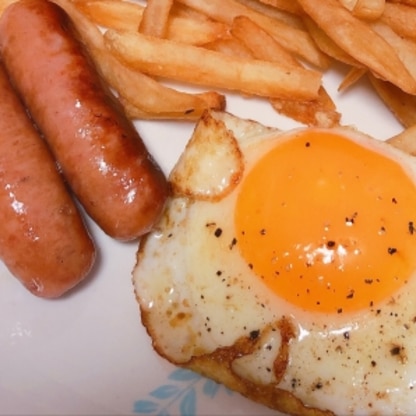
x: 406, y: 140
x: 401, y: 18
x: 124, y: 15
x: 141, y: 90
x: 290, y: 6
x: 295, y: 40
x: 155, y: 18
x: 317, y: 112
x: 365, y: 9
x: 360, y: 41
x: 195, y: 65
x: 402, y: 105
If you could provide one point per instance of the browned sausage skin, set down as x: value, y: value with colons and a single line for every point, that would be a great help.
x: 101, y: 155
x: 43, y: 241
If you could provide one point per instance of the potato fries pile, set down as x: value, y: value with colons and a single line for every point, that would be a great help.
x: 275, y: 49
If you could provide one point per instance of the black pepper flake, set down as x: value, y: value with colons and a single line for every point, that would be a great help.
x: 351, y: 220
x: 350, y: 294
x: 394, y: 200
x: 368, y: 281
x: 233, y: 243
x: 339, y: 310
x: 346, y: 335
x: 373, y: 363
x: 307, y: 144
x: 218, y: 232
x: 330, y: 244
x: 254, y: 334
x: 411, y: 227
x: 263, y: 231
x: 219, y: 272
x: 392, y: 250
x: 395, y: 350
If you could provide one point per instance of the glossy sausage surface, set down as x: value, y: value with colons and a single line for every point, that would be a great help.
x: 100, y: 152
x: 43, y: 240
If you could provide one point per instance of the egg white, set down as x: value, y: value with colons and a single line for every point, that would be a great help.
x: 197, y: 294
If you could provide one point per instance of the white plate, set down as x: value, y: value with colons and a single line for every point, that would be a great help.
x: 88, y: 354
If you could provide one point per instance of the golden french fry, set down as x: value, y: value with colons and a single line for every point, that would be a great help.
x: 231, y: 47
x: 365, y: 9
x: 125, y: 15
x: 405, y: 140
x: 401, y: 18
x: 288, y: 17
x: 141, y: 90
x: 155, y: 18
x: 293, y: 39
x: 196, y: 65
x: 405, y: 48
x: 327, y: 45
x: 260, y: 43
x: 401, y: 104
x: 360, y: 41
x: 353, y: 76
x: 134, y: 112
x: 317, y: 112
x: 290, y: 6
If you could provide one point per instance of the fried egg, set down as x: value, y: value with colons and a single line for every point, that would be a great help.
x: 284, y: 266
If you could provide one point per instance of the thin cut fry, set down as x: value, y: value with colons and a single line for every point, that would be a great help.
x: 230, y: 46
x: 155, y: 18
x: 401, y: 18
x: 327, y: 45
x: 353, y: 76
x: 360, y: 41
x: 142, y: 91
x: 295, y: 40
x: 317, y: 112
x: 195, y: 65
x: 125, y: 15
x: 290, y: 6
x: 365, y: 9
x: 402, y: 105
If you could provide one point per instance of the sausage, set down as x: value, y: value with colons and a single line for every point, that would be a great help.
x: 43, y: 239
x: 101, y: 155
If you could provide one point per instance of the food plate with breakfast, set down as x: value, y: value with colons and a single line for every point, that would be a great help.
x: 188, y: 317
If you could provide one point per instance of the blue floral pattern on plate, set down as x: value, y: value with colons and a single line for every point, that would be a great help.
x: 178, y: 396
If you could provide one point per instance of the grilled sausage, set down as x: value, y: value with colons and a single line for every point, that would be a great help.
x: 104, y: 160
x: 43, y: 240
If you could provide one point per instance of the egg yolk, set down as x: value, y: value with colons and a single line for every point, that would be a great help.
x: 328, y: 224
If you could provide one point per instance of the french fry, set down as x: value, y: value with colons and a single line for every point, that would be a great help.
x: 125, y: 15
x: 196, y: 65
x: 406, y: 140
x: 230, y: 47
x: 401, y: 18
x: 317, y: 112
x: 260, y: 43
x: 327, y: 45
x: 365, y: 9
x: 155, y: 18
x: 293, y: 39
x: 290, y: 6
x: 352, y: 77
x: 405, y: 48
x: 360, y: 41
x: 192, y: 114
x: 401, y: 104
x: 141, y: 90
